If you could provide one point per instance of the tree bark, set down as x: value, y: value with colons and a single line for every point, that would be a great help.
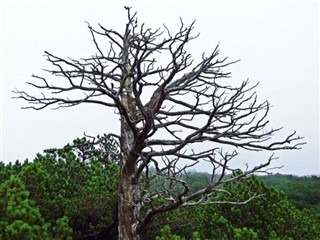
x: 128, y: 185
x: 128, y: 188
x: 127, y: 220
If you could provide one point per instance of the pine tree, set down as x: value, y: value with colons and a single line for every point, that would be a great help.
x: 19, y: 218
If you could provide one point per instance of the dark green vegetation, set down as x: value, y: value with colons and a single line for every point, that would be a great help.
x: 272, y: 215
x: 63, y: 194
x: 303, y: 192
x: 70, y: 193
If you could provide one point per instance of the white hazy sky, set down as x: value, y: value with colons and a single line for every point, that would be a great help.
x: 277, y: 42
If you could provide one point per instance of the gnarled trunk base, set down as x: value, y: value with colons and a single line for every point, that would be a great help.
x: 127, y: 210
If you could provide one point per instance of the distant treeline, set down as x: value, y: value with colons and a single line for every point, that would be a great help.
x: 303, y: 192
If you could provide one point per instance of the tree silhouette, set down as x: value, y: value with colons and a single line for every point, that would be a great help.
x: 174, y: 113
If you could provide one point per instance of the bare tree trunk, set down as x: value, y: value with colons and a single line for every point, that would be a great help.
x: 128, y: 185
x: 127, y: 219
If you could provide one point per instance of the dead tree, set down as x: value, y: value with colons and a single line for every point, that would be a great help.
x: 174, y: 113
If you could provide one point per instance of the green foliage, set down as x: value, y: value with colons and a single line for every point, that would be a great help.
x: 83, y: 182
x: 62, y: 229
x: 20, y: 219
x: 245, y: 234
x: 167, y: 235
x: 94, y: 206
x: 71, y: 192
x: 268, y: 216
x: 273, y: 236
x: 72, y: 188
x: 239, y: 234
x: 303, y: 192
x: 270, y: 211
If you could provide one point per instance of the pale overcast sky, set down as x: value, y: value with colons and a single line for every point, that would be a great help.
x: 277, y: 42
